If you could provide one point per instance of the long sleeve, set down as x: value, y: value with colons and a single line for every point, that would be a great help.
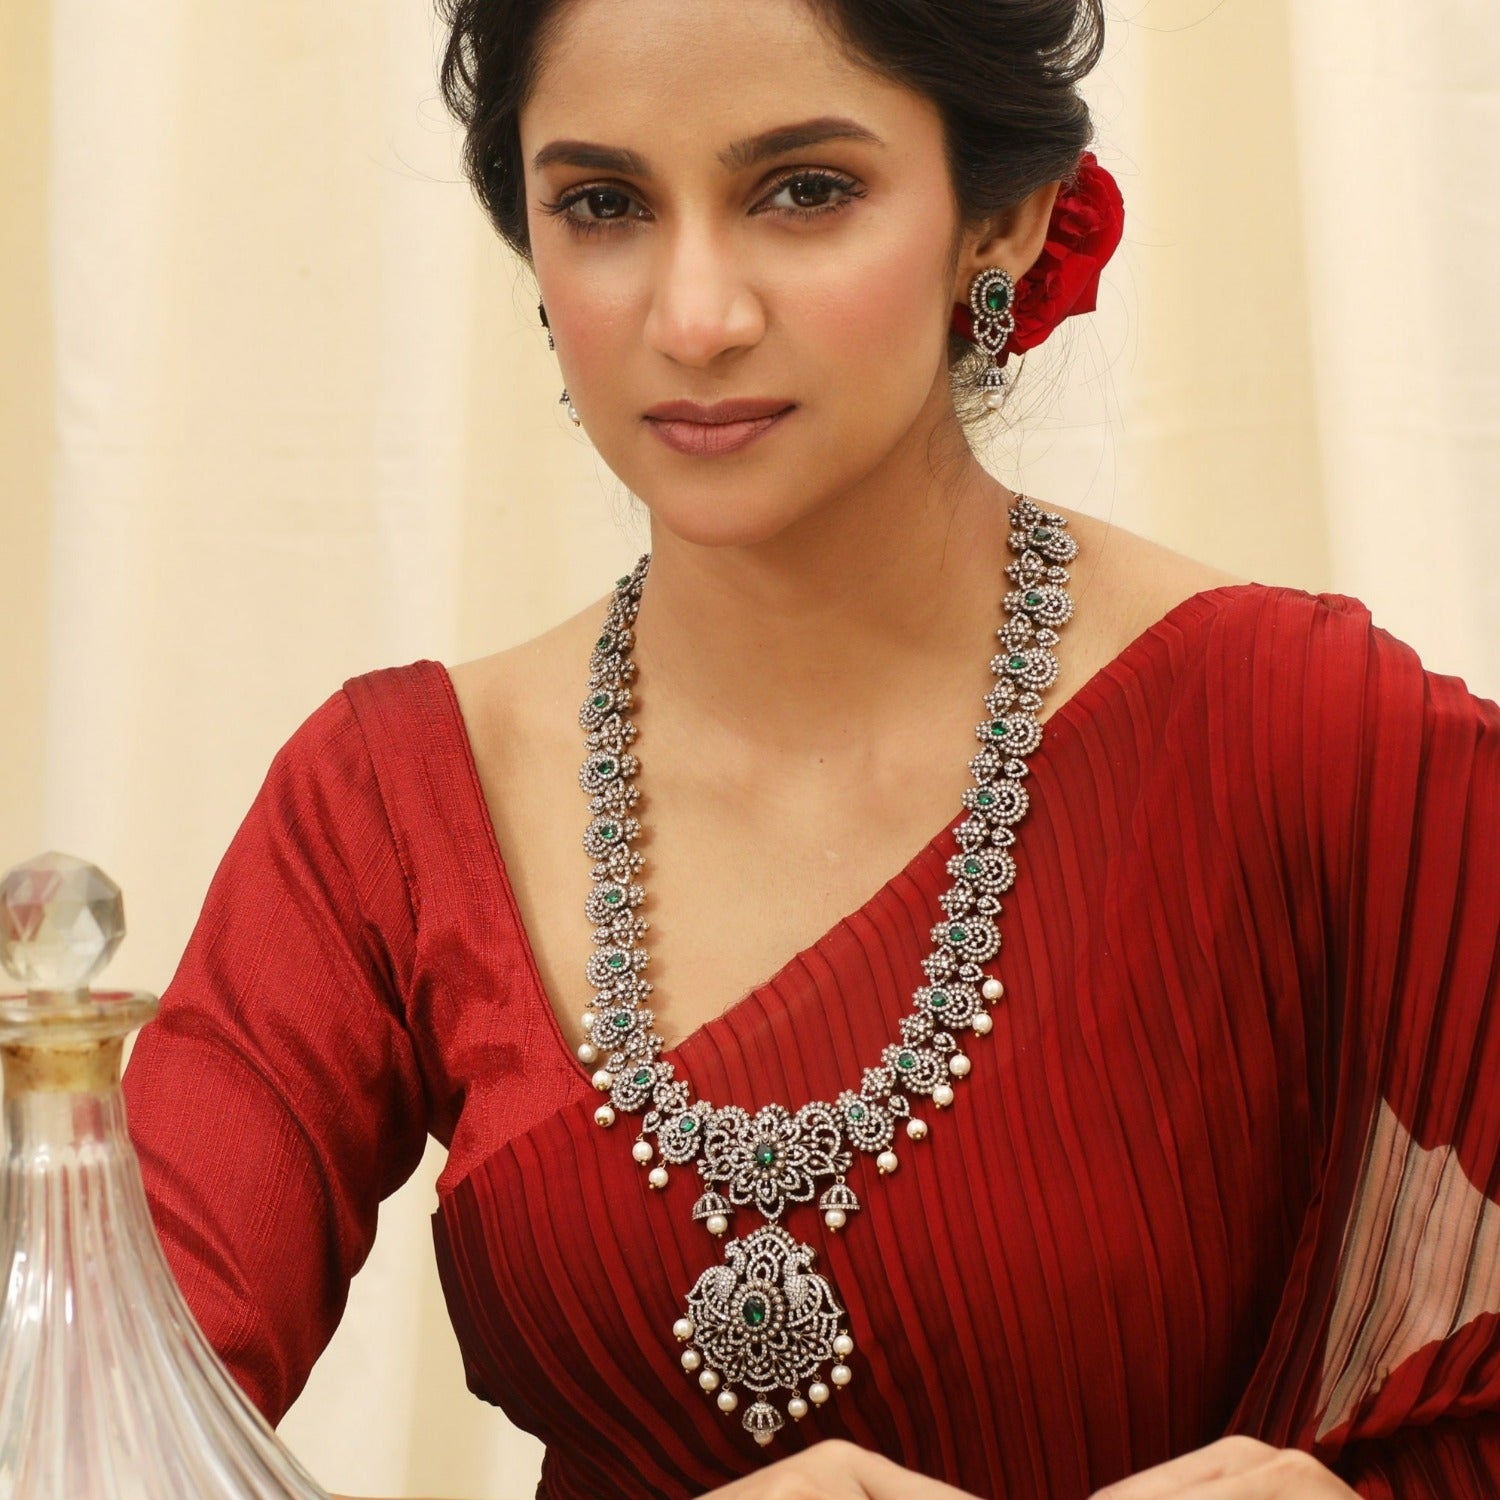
x: 1385, y: 1356
x: 276, y: 1099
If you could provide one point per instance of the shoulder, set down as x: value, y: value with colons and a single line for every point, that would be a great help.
x: 522, y: 702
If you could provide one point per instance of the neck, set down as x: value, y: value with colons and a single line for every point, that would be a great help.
x: 883, y: 600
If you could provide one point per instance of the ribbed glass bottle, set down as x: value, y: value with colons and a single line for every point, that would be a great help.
x: 108, y: 1389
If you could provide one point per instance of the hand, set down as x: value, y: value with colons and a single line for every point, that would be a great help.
x: 1234, y: 1468
x: 837, y: 1470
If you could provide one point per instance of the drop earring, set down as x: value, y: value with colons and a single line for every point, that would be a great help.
x: 563, y: 400
x: 992, y: 301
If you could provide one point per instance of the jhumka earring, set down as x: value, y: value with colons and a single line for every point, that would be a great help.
x: 564, y: 399
x: 992, y: 300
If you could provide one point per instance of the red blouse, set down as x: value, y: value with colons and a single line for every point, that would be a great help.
x: 1228, y: 1162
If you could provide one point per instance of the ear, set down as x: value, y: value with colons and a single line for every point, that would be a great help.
x: 1012, y: 239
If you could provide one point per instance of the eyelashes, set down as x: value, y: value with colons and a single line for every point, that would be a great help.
x: 821, y: 182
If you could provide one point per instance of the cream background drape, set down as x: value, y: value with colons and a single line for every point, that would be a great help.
x: 275, y: 410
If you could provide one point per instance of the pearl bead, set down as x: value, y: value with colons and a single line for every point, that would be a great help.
x: 982, y: 1023
x: 796, y: 1408
x: 764, y: 1437
x: 818, y: 1393
x: 843, y: 1345
x: 716, y: 1223
x: 835, y: 1218
x: 992, y: 989
x: 916, y: 1128
x: 691, y: 1359
x: 958, y: 1065
x: 682, y: 1328
x: 588, y: 1053
x: 886, y: 1161
x: 728, y: 1401
x: 841, y: 1374
x: 603, y: 1080
x: 994, y: 400
x: 604, y: 1115
x: 657, y: 1177
x: 708, y: 1379
x: 642, y: 1151
x: 942, y: 1096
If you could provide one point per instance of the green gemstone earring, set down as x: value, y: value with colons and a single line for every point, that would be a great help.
x: 992, y: 301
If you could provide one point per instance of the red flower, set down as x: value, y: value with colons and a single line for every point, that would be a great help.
x: 1088, y: 219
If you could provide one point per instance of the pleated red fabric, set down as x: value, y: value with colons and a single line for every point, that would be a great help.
x: 1228, y: 1162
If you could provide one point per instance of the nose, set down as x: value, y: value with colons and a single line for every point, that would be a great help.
x: 702, y: 305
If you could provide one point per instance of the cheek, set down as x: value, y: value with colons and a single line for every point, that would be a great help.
x: 880, y: 313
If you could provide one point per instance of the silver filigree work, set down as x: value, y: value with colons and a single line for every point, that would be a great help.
x: 763, y: 1319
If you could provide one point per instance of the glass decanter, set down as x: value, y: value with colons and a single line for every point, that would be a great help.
x: 108, y: 1389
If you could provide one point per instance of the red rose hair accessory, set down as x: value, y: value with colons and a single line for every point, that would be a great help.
x: 1087, y: 221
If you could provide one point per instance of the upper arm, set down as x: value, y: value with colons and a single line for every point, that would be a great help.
x: 276, y: 1098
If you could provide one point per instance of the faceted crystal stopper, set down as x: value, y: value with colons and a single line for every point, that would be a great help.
x: 61, y: 920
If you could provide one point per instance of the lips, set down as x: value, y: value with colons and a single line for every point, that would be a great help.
x: 726, y: 427
x: 746, y: 409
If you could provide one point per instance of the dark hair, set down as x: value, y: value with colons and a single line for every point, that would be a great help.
x: 1003, y: 74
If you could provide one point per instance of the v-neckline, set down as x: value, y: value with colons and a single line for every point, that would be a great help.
x: 1062, y: 715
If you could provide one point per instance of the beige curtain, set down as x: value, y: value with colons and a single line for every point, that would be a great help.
x: 275, y: 410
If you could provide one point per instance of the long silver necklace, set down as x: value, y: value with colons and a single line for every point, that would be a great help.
x: 764, y: 1320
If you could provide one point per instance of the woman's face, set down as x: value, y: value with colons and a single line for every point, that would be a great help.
x: 684, y: 253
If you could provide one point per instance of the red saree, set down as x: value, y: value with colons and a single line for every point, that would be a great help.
x: 1228, y: 1162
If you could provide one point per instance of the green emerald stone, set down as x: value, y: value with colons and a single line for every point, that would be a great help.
x: 765, y: 1154
x: 755, y: 1311
x: 600, y: 699
x: 621, y: 1020
x: 609, y: 833
x: 1032, y: 600
x: 1042, y: 534
x: 613, y: 896
x: 999, y: 729
x: 906, y: 1062
x: 985, y: 798
x: 996, y: 299
x: 615, y: 961
x: 972, y: 867
x: 856, y: 1111
x: 621, y: 582
x: 957, y: 934
x: 939, y: 1000
x: 688, y: 1124
x: 1017, y: 662
x: 643, y: 1078
x: 604, y: 642
x: 604, y: 767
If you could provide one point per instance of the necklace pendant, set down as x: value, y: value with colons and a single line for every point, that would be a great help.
x: 766, y: 1322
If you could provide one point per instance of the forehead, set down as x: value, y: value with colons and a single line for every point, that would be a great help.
x: 681, y: 77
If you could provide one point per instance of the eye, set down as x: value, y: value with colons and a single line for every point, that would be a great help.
x: 810, y: 192
x: 603, y: 205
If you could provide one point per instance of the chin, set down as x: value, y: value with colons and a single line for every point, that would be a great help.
x: 726, y: 515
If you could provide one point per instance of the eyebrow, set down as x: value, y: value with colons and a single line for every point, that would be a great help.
x: 735, y: 157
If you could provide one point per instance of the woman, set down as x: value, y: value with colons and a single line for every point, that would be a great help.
x: 1194, y: 1181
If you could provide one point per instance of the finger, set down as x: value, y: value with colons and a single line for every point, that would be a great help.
x: 1229, y: 1457
x: 1288, y: 1474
